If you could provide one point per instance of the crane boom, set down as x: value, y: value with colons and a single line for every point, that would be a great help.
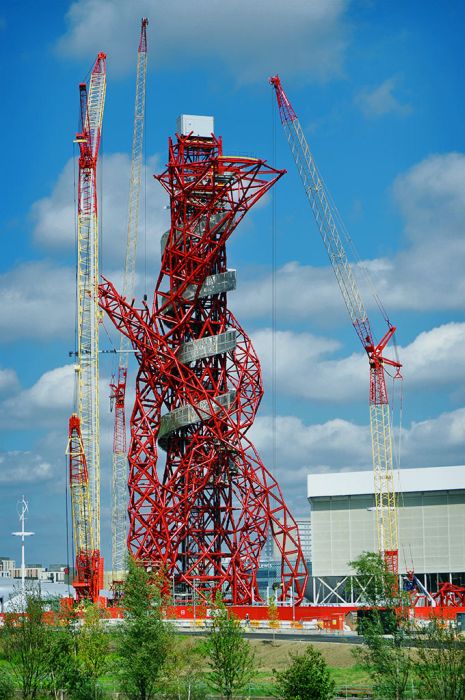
x: 120, y: 458
x: 86, y: 431
x: 380, y: 423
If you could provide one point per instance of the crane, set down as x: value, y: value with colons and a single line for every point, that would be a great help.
x: 84, y: 425
x: 118, y: 388
x: 380, y: 422
x: 88, y: 562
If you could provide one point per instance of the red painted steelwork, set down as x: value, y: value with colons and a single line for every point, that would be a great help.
x: 88, y: 580
x: 204, y: 522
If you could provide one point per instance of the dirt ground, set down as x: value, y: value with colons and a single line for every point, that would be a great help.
x: 270, y: 655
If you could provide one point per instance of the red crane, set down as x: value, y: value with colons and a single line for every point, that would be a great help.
x: 326, y: 219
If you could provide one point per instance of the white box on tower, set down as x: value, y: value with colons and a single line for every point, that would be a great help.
x: 198, y: 125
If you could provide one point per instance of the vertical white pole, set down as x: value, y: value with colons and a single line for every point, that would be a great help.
x: 293, y: 600
x: 23, y: 534
x: 194, y: 590
x: 23, y: 562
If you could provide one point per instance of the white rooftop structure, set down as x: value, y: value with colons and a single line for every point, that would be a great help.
x: 197, y: 124
x: 405, y: 480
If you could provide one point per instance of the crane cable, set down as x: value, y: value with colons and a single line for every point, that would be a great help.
x: 273, y: 300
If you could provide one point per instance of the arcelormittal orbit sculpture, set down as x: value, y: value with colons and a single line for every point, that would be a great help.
x: 205, y: 520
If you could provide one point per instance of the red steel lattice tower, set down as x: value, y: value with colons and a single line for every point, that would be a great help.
x: 205, y: 520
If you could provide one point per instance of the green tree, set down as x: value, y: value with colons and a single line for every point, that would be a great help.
x: 273, y: 614
x: 61, y: 661
x: 25, y: 640
x: 145, y: 639
x: 183, y: 677
x: 306, y: 678
x: 374, y: 584
x: 230, y: 656
x: 384, y: 656
x: 440, y: 662
x: 93, y: 646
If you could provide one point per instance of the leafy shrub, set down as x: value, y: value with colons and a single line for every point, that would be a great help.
x: 306, y: 678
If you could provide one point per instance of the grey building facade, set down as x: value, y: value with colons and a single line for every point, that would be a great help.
x: 431, y: 517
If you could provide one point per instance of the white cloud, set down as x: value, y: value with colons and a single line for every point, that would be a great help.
x: 427, y: 275
x: 37, y: 302
x: 431, y: 197
x: 23, y: 467
x: 47, y: 401
x: 55, y: 222
x: 254, y: 39
x: 303, y: 369
x: 381, y: 100
x: 8, y: 380
x: 340, y: 445
x: 336, y: 444
x: 301, y: 292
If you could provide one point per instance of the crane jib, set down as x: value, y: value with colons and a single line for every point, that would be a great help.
x: 380, y: 422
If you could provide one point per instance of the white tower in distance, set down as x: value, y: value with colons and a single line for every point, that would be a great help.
x: 22, y: 511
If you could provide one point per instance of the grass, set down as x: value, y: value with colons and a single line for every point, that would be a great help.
x: 272, y: 656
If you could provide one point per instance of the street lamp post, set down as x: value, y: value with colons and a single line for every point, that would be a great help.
x: 194, y: 581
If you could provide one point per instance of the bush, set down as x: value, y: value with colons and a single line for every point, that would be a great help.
x: 307, y: 678
x: 81, y: 686
x: 7, y: 687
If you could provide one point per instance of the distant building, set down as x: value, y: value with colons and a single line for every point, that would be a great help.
x: 32, y: 571
x: 431, y: 516
x: 7, y: 567
x: 55, y: 573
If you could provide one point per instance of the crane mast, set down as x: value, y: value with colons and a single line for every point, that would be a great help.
x: 118, y: 388
x: 380, y: 422
x: 84, y: 427
x: 88, y: 563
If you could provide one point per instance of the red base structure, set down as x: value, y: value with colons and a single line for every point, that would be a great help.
x: 203, y: 523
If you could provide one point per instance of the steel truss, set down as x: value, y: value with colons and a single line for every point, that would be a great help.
x: 119, y: 523
x: 203, y: 524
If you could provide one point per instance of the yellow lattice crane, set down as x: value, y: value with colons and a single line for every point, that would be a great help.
x: 118, y: 395
x: 380, y: 421
x: 84, y: 426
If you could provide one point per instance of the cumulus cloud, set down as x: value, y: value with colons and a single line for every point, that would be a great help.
x: 49, y: 402
x: 303, y: 368
x: 252, y: 39
x: 23, y: 468
x: 426, y: 275
x: 37, y: 301
x: 381, y: 100
x: 49, y: 399
x: 8, y: 380
x: 340, y: 445
x: 55, y: 222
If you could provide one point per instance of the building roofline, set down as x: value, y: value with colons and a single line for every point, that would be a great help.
x: 351, y: 483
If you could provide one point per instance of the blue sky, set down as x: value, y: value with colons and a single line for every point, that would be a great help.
x: 378, y: 88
